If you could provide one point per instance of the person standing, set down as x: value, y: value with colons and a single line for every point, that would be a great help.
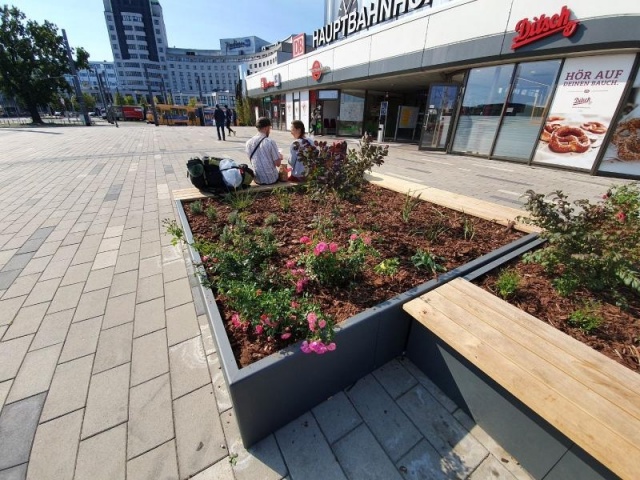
x: 228, y: 118
x: 220, y: 118
x: 263, y: 154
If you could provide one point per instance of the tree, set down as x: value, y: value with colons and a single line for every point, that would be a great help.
x: 169, y: 99
x: 119, y: 99
x: 193, y: 102
x: 89, y: 101
x: 33, y: 60
x: 129, y: 100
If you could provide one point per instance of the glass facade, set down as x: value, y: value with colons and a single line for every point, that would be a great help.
x: 351, y: 113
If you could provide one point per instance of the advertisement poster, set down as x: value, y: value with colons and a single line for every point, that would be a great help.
x: 407, y: 117
x: 586, y: 98
x: 623, y: 153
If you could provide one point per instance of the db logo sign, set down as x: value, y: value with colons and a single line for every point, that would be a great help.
x: 299, y: 45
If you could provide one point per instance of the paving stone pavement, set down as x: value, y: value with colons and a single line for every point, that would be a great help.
x: 107, y: 366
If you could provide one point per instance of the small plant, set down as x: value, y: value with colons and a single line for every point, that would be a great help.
x: 196, y: 207
x: 507, y: 283
x: 427, y: 261
x: 271, y: 219
x: 172, y: 228
x: 409, y: 205
x: 587, y: 318
x: 284, y: 197
x: 468, y: 228
x: 322, y: 225
x: 211, y: 213
x: 240, y: 200
x: 388, y: 267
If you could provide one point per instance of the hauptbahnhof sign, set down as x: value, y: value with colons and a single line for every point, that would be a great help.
x: 377, y: 12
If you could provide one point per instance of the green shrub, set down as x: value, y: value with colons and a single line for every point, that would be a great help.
x: 587, y: 318
x: 507, y: 283
x: 196, y: 207
x: 426, y: 260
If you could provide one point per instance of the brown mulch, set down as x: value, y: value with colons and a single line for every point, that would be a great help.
x: 618, y: 337
x: 431, y: 228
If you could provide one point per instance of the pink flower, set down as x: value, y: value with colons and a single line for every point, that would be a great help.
x: 235, y: 320
x: 290, y: 264
x: 304, y: 239
x: 284, y: 336
x: 305, y: 347
x: 333, y: 247
x: 300, y: 285
x: 294, y: 304
x: 259, y: 329
x: 366, y: 240
x: 621, y: 217
x: 205, y: 258
x: 331, y: 347
x: 312, y: 318
x: 353, y: 237
x: 322, y: 323
x: 320, y: 247
x: 267, y: 321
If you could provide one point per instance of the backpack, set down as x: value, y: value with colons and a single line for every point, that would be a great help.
x: 205, y: 174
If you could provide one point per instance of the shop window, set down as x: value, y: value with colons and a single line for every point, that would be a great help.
x: 482, y: 105
x: 524, y: 113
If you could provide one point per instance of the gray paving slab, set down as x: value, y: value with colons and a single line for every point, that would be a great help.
x: 182, y: 323
x: 395, y: 379
x: 90, y: 304
x: 69, y: 387
x: 103, y: 456
x: 15, y: 473
x: 149, y: 359
x: 81, y: 340
x: 119, y: 310
x: 188, y: 366
x: 337, y: 417
x: 12, y: 353
x: 26, y: 322
x: 157, y: 464
x: 18, y: 422
x: 35, y: 373
x: 53, y: 329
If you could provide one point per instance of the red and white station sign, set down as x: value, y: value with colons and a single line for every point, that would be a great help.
x: 299, y: 45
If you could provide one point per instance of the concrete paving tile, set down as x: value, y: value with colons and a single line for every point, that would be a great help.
x: 69, y: 388
x: 53, y: 329
x: 108, y: 400
x: 4, y: 391
x: 262, y: 461
x: 18, y: 423
x: 12, y: 353
x: 450, y: 439
x: 5, y: 256
x: 47, y: 249
x: 91, y: 304
x: 128, y: 262
x: 189, y: 370
x: 17, y: 242
x: 97, y: 228
x: 35, y: 373
x: 430, y: 387
x: 149, y: 288
x: 65, y: 253
x: 109, y: 244
x: 126, y: 282
x: 37, y: 265
x: 336, y: 417
x: 114, y: 347
x: 129, y: 246
x: 149, y: 317
x: 174, y: 270
x: 119, y: 310
x: 149, y: 358
x: 492, y: 468
x: 18, y: 262
x: 150, y: 266
x: 66, y: 298
x: 395, y: 379
x: 105, y: 259
x: 91, y: 241
x: 27, y: 321
x: 99, y: 279
x: 54, y: 448
x: 43, y: 292
x: 3, y: 330
x: 31, y: 245
x: 18, y: 472
x: 207, y: 338
x: 56, y: 269
x: 82, y: 339
x: 103, y: 457
x: 172, y: 253
x: 221, y: 470
x: 387, y: 422
x: 157, y: 464
x: 80, y: 227
x: 73, y: 238
x: 182, y: 323
x: 9, y: 308
x: 113, y: 232
x: 85, y: 255
x: 76, y: 274
x: 150, y: 236
x: 150, y: 249
x: 199, y: 434
x: 131, y: 233
x: 151, y: 420
x: 423, y: 461
x: 177, y: 293
x: 361, y: 456
x: 306, y: 451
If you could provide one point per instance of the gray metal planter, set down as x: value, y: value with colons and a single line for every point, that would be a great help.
x: 273, y: 391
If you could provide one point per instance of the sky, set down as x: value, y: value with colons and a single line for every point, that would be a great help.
x: 198, y: 24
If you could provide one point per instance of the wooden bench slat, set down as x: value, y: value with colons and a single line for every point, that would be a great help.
x: 577, y: 358
x: 617, y: 453
x: 193, y: 193
x: 538, y: 364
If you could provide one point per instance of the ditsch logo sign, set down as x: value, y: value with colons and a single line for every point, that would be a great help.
x: 531, y: 31
x: 317, y: 70
x: 264, y: 83
x: 299, y: 45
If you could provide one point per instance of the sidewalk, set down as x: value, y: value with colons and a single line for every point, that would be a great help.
x: 107, y: 366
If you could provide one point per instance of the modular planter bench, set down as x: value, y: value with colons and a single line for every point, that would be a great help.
x: 275, y: 390
x: 564, y: 410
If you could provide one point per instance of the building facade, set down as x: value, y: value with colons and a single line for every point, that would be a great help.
x: 542, y: 83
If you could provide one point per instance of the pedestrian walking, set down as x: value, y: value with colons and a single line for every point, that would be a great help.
x: 228, y: 118
x: 220, y: 118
